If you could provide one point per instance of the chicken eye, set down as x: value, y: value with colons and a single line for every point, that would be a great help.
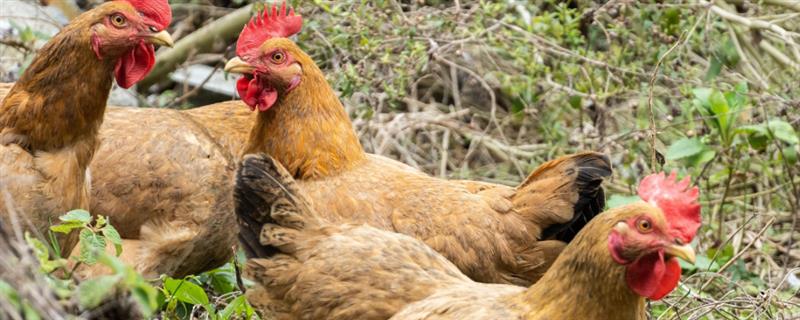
x: 118, y: 20
x: 644, y: 225
x: 278, y: 57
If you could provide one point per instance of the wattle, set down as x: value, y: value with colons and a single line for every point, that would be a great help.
x: 653, y: 277
x: 255, y: 95
x: 134, y: 65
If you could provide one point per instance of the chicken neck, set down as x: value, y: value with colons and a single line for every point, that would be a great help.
x: 60, y: 100
x: 584, y: 282
x: 307, y: 129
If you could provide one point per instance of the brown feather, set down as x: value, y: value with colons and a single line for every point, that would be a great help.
x: 343, y: 271
x: 49, y: 121
x: 482, y: 228
x: 162, y: 167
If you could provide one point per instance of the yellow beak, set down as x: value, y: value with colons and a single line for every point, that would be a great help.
x: 162, y: 39
x: 684, y: 252
x: 237, y: 65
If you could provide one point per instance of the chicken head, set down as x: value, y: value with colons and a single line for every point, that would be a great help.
x: 127, y: 31
x: 271, y: 65
x: 649, y: 241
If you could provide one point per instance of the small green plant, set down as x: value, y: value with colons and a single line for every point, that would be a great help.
x: 216, y: 291
x: 93, y: 237
x: 182, y: 295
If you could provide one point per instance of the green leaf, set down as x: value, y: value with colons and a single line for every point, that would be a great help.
x: 186, y: 291
x: 685, y: 147
x: 146, y: 295
x: 223, y: 281
x: 92, y: 245
x: 738, y: 97
x: 78, y: 215
x: 575, y: 102
x: 42, y: 254
x: 714, y: 68
x: 237, y: 308
x: 702, y: 95
x: 719, y: 107
x: 753, y: 129
x: 619, y: 200
x: 702, y: 157
x: 92, y: 292
x: 100, y: 221
x: 783, y: 131
x: 112, y: 235
x: 757, y: 135
x: 66, y: 227
x: 790, y: 154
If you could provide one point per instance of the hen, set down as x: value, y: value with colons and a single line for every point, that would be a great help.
x: 492, y: 233
x: 49, y: 119
x: 314, y: 269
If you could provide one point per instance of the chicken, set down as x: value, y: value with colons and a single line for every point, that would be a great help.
x: 49, y: 119
x: 159, y: 188
x: 314, y: 269
x: 173, y: 201
x: 492, y: 233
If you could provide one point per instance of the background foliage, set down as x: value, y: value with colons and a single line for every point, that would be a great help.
x: 489, y: 89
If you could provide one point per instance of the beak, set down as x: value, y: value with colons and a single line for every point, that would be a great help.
x: 684, y: 252
x: 162, y: 39
x: 237, y: 65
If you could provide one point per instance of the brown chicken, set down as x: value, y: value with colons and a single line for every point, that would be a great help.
x: 49, y: 119
x: 492, y: 233
x: 172, y: 202
x: 314, y: 269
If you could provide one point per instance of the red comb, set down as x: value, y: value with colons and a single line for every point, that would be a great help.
x: 264, y: 26
x: 156, y: 10
x: 676, y: 199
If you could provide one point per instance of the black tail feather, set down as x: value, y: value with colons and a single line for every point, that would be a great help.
x: 592, y: 170
x: 260, y: 182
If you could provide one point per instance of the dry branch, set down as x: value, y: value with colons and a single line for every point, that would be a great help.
x: 225, y: 29
x: 19, y: 268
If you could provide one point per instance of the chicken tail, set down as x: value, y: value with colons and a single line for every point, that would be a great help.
x: 562, y: 195
x: 269, y: 207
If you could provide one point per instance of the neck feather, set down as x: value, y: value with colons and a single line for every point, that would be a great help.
x: 308, y: 130
x: 61, y: 98
x: 584, y: 280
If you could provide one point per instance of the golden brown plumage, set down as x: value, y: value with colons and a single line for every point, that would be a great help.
x: 164, y: 177
x: 314, y: 269
x: 49, y: 119
x: 174, y: 196
x: 493, y: 233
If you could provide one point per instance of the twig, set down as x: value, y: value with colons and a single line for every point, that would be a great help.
x: 224, y: 29
x: 741, y: 252
x: 194, y: 90
x: 756, y: 24
x: 653, y: 128
x: 445, y: 148
x: 16, y: 44
x: 747, y: 63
